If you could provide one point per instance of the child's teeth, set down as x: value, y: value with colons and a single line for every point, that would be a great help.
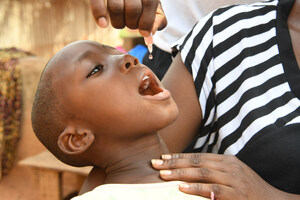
x: 146, y: 84
x: 146, y: 77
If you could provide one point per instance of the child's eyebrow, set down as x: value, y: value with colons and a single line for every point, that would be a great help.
x: 83, y: 55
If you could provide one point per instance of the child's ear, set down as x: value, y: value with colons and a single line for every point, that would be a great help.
x: 72, y: 141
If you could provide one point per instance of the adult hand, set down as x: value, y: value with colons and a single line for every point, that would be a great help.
x: 224, y: 175
x: 145, y: 15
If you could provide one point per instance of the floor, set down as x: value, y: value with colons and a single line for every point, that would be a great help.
x: 21, y: 184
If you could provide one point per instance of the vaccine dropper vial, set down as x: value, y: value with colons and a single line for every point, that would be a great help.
x: 149, y: 43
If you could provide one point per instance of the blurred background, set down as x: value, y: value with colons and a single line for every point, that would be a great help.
x: 31, y: 32
x: 45, y: 26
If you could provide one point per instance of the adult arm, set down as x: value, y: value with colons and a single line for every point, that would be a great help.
x: 178, y: 80
x: 225, y: 175
x: 145, y: 15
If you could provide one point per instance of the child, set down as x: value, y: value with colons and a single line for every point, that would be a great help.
x: 97, y: 106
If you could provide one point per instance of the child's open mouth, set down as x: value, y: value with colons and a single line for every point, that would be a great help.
x: 150, y: 89
x: 149, y: 86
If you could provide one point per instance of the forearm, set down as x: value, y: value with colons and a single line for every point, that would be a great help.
x: 179, y: 82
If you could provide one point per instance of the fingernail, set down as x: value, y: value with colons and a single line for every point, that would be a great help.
x: 157, y: 162
x: 166, y: 157
x: 212, y: 195
x: 102, y: 22
x: 166, y: 172
x: 184, y: 186
x: 145, y: 33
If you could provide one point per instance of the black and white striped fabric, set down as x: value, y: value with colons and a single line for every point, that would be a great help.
x: 248, y: 83
x: 241, y: 80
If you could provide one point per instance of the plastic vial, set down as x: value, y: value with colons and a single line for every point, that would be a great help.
x: 149, y: 43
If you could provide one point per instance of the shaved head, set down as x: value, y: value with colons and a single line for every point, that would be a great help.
x: 48, y: 115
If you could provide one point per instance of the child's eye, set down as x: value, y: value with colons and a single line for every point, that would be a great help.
x: 98, y: 68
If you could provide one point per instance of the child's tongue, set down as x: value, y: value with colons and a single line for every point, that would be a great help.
x: 149, y: 87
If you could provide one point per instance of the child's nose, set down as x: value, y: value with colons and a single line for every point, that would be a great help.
x: 129, y: 61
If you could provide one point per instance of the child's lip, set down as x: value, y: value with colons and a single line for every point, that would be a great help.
x: 150, y: 87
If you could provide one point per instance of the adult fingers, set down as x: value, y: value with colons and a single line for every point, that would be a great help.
x: 133, y: 10
x: 160, y: 21
x: 210, y: 156
x: 205, y: 175
x: 116, y: 13
x: 193, y: 162
x: 173, y: 161
x: 207, y: 190
x: 99, y: 12
x: 147, y: 17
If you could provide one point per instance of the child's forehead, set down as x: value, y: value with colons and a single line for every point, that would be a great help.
x: 77, y: 49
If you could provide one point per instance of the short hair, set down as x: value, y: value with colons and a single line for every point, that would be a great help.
x: 47, y: 118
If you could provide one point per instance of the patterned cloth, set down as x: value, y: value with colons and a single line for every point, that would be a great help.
x: 10, y: 106
x: 247, y: 79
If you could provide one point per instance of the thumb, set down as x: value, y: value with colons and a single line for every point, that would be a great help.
x: 160, y: 22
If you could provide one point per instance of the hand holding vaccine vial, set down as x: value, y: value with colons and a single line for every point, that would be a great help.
x: 149, y: 43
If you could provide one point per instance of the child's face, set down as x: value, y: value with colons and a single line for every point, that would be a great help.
x: 112, y: 92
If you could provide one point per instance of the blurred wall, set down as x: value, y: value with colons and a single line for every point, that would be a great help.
x: 45, y: 26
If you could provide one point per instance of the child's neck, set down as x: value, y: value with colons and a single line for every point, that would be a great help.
x: 134, y: 166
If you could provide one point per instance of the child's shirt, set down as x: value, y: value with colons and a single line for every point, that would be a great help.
x: 151, y: 191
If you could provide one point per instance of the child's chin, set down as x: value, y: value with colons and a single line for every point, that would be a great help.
x: 171, y: 116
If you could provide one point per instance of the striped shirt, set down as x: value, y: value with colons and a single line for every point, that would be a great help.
x: 245, y: 74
